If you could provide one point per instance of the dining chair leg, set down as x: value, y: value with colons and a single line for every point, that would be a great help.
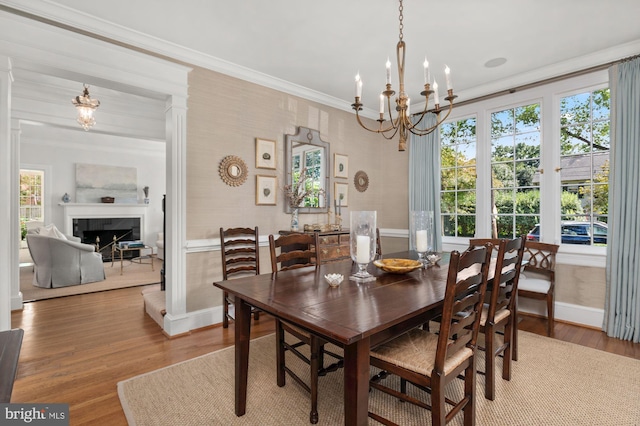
x: 225, y: 313
x: 438, y: 411
x: 489, y: 362
x: 550, y: 314
x: 280, y: 354
x: 469, y: 411
x: 315, y: 366
x: 507, y: 356
x: 514, y: 337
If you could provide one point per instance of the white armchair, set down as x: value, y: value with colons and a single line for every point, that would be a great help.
x: 62, y: 260
x: 160, y: 245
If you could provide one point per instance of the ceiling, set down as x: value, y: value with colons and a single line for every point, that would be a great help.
x: 315, y: 48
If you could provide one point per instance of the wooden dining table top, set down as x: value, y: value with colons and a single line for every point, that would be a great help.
x: 351, y: 311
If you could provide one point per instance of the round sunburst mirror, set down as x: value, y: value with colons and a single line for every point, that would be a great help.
x: 361, y: 181
x: 233, y: 170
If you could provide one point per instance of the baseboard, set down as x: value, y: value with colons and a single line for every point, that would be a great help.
x: 192, y: 321
x: 576, y: 314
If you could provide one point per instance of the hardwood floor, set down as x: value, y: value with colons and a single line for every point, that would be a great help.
x: 76, y: 349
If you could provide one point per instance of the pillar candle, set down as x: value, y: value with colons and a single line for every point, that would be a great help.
x: 362, y: 249
x: 421, y: 241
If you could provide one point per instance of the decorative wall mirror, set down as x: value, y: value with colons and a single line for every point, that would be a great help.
x: 233, y: 170
x: 305, y: 150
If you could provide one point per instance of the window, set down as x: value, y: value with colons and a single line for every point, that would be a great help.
x: 458, y: 178
x: 515, y: 160
x: 31, y: 197
x: 542, y: 161
x: 584, y: 162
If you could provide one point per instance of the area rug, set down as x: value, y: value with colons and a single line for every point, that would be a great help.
x: 134, y: 274
x: 553, y: 383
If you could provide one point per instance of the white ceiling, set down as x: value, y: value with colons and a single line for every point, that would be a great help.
x: 315, y: 48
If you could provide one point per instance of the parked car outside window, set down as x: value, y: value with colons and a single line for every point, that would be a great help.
x: 576, y: 233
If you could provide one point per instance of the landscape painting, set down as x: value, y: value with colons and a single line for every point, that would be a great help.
x: 95, y: 181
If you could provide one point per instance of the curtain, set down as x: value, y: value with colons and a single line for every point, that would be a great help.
x: 622, y: 304
x: 424, y: 175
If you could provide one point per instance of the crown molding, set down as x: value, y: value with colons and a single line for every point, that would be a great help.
x: 83, y: 23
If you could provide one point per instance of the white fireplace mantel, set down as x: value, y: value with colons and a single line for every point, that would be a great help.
x: 102, y: 210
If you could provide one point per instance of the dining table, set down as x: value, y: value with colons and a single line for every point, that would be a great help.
x: 355, y: 316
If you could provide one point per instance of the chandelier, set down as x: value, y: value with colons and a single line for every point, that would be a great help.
x: 402, y: 125
x: 85, y: 107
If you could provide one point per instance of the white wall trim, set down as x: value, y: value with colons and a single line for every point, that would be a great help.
x: 576, y: 314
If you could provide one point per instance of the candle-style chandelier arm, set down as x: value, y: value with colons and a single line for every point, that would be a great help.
x: 425, y: 131
x: 357, y: 106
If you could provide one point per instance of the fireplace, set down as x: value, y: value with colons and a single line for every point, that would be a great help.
x: 103, y: 231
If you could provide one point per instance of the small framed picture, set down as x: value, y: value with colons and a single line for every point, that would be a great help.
x: 340, y: 166
x: 266, y: 190
x: 265, y: 154
x: 342, y: 191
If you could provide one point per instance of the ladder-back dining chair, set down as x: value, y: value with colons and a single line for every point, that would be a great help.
x: 500, y: 314
x: 430, y: 361
x: 240, y: 257
x: 288, y: 252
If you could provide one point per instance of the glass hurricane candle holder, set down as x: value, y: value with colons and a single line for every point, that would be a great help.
x: 421, y: 234
x: 362, y: 243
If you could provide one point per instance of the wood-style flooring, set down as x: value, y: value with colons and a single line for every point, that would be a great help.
x: 76, y: 349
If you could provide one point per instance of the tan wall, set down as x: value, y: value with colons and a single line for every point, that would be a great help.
x: 580, y: 285
x: 225, y: 116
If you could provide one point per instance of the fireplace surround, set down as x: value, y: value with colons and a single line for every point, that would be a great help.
x: 103, y: 220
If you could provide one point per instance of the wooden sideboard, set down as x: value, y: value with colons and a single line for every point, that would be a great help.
x: 332, y: 245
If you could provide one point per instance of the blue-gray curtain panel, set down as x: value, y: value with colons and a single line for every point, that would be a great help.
x: 424, y: 175
x: 622, y: 305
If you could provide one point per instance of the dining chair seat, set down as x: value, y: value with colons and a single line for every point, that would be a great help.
x: 538, y: 285
x: 500, y: 316
x: 416, y: 351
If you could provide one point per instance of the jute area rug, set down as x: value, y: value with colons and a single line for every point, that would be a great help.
x: 553, y: 383
x: 134, y: 274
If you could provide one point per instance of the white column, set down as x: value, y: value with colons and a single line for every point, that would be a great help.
x: 16, y: 294
x: 8, y: 236
x: 176, y: 320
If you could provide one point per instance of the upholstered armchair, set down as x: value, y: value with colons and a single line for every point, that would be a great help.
x: 62, y: 260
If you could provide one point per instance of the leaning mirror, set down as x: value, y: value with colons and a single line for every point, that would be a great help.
x: 307, y: 155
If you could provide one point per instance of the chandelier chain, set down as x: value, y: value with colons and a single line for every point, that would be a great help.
x: 401, y: 17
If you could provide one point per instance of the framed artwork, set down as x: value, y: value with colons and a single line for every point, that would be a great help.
x: 265, y: 154
x: 266, y: 190
x: 340, y: 166
x: 342, y: 191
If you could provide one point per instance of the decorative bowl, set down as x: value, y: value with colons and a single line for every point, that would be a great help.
x: 398, y: 266
x: 334, y: 280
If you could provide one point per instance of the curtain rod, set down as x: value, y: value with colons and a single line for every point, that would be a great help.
x: 547, y: 81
